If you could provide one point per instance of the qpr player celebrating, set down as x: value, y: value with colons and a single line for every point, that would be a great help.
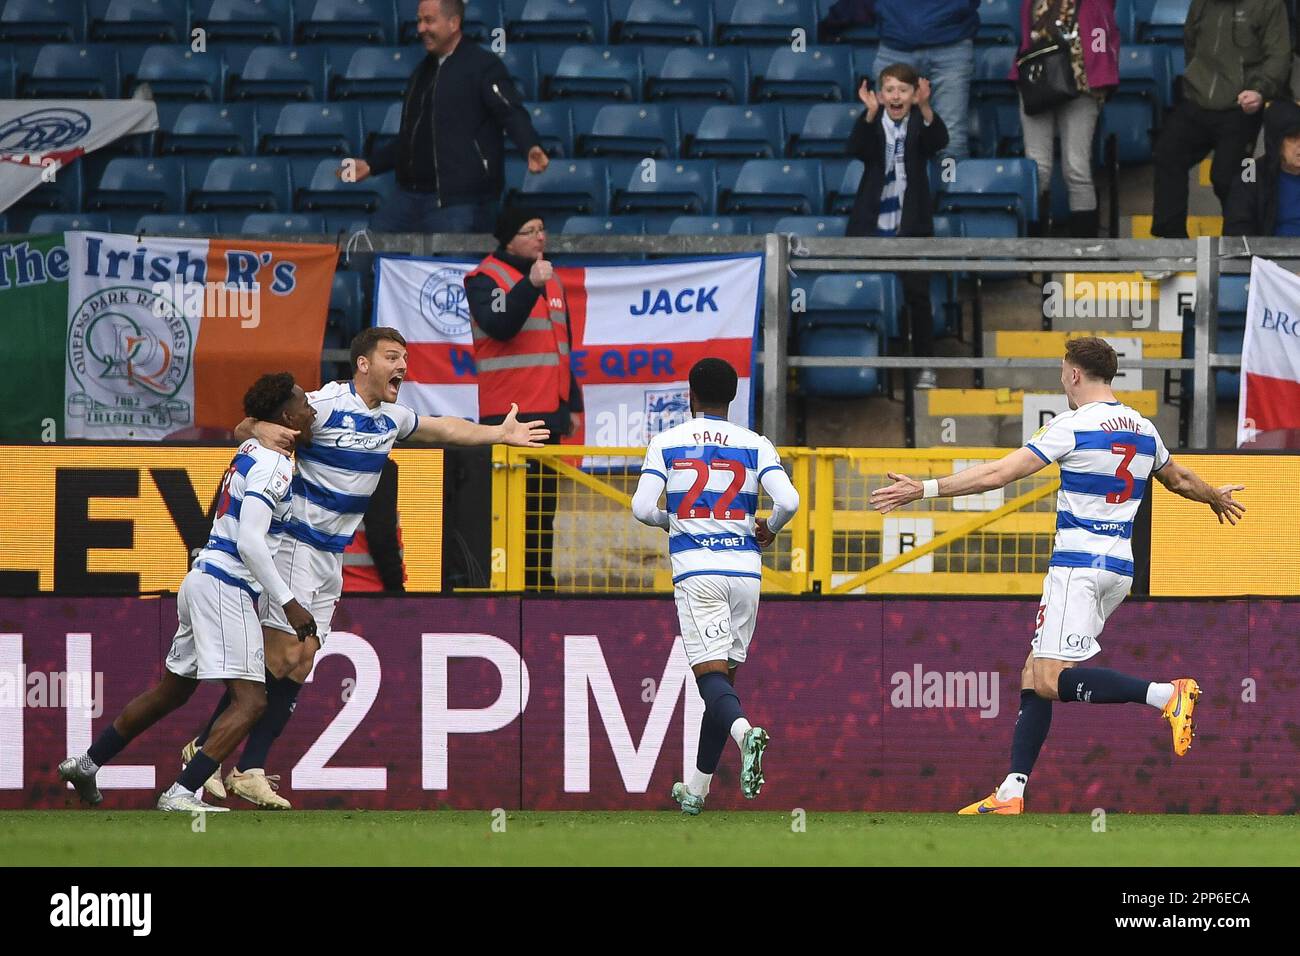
x: 712, y: 470
x: 1107, y: 454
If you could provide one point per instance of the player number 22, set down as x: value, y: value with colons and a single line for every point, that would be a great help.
x: 722, y: 509
x: 1122, y: 472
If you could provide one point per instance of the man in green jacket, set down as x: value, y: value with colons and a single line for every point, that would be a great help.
x: 1238, y: 58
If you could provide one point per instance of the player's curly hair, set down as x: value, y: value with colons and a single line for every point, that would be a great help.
x: 1093, y: 356
x: 713, y: 381
x: 266, y: 399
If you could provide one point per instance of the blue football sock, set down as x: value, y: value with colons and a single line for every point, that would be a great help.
x: 281, y: 696
x: 212, y: 721
x: 1031, y: 730
x: 721, y: 705
x: 713, y: 741
x: 106, y: 746
x: 1100, y: 685
x: 197, y: 771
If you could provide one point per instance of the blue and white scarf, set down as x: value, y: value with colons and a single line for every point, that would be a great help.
x: 891, y: 197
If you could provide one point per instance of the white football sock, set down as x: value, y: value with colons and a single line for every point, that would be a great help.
x: 738, y: 731
x: 1013, y: 786
x: 699, y: 784
x: 1159, y: 694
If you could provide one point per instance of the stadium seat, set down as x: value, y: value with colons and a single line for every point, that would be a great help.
x: 277, y: 73
x: 856, y: 34
x: 375, y: 73
x: 839, y: 201
x: 6, y: 75
x: 854, y: 299
x: 1233, y: 293
x: 521, y: 63
x: 380, y: 123
x: 347, y: 303
x: 737, y: 132
x: 242, y: 184
x: 629, y: 129
x: 686, y: 74
x: 1126, y: 16
x: 995, y: 101
x: 680, y: 22
x: 558, y: 21
x: 46, y: 222
x: 570, y: 186
x: 821, y: 74
x: 321, y: 190
x: 63, y: 195
x: 244, y: 21
x: 710, y: 226
x: 142, y: 21
x: 178, y: 73
x: 212, y: 129
x: 1165, y: 22
x: 824, y: 131
x: 170, y: 224
x: 344, y: 21
x: 604, y: 226
x: 138, y: 185
x: 1144, y: 74
x: 593, y: 71
x: 282, y: 223
x: 817, y: 226
x: 752, y: 22
x: 333, y: 128
x: 993, y: 188
x: 999, y: 21
x: 679, y: 186
x: 1227, y: 382
x: 839, y: 382
x: 42, y: 21
x: 792, y: 186
x: 72, y: 71
x: 553, y: 122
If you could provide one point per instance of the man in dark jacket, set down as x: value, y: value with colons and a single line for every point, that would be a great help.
x: 449, y: 152
x: 1238, y: 58
x: 522, y: 343
x: 935, y: 38
x: 1269, y: 205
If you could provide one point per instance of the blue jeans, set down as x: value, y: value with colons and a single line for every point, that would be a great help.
x: 408, y: 211
x: 949, y: 69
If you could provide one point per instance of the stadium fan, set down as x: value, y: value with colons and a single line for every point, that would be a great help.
x: 1269, y: 204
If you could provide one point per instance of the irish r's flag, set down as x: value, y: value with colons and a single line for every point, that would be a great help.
x: 114, y: 337
x: 1270, y: 354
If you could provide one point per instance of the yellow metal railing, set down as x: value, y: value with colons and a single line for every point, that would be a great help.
x: 998, y: 542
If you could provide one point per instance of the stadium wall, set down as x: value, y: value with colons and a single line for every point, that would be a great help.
x: 872, y: 704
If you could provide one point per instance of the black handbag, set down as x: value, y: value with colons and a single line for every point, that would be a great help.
x: 1047, y: 74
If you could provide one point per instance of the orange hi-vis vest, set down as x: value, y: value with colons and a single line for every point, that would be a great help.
x: 359, y: 571
x: 532, y: 368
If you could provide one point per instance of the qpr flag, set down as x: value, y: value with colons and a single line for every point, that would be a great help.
x: 1270, y: 354
x: 636, y: 332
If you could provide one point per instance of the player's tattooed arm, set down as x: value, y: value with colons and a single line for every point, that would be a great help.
x: 448, y: 430
x: 1185, y: 482
x: 268, y: 433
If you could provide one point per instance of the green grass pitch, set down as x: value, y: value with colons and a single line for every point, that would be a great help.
x: 451, y: 838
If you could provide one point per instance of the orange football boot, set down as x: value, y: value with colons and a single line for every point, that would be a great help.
x: 1179, y: 713
x: 991, y: 804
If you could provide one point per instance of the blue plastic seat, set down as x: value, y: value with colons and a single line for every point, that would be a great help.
x: 676, y: 186
x: 380, y: 123
x: 685, y: 73
x: 629, y: 129
x: 999, y: 21
x: 1127, y: 13
x: 63, y: 194
x: 993, y: 187
x: 817, y: 74
x: 333, y: 128
x: 42, y: 21
x: 995, y: 101
x: 1129, y: 121
x: 345, y: 21
x: 752, y: 22
x: 282, y: 224
x: 791, y: 186
x: 47, y: 222
x: 1233, y: 293
x: 175, y: 224
x: 710, y: 226
x: 604, y: 226
x: 521, y: 63
x: 738, y: 132
x: 818, y: 226
x: 138, y: 185
x: 838, y: 340
x: 854, y: 299
x: 375, y: 73
x: 245, y: 21
x: 320, y: 190
x: 347, y: 303
x: 279, y: 73
x: 824, y: 132
x: 592, y: 71
x: 178, y: 73
x: 211, y: 129
x: 559, y: 21
x: 1165, y: 22
x: 553, y: 122
x: 568, y: 186
x: 141, y: 21
x: 855, y: 34
x: 1227, y: 382
x: 839, y: 201
x: 1144, y: 74
x: 242, y: 184
x: 72, y: 71
x: 681, y: 22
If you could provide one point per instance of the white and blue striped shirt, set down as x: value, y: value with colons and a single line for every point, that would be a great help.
x: 338, y: 471
x: 1107, y: 453
x: 259, y: 472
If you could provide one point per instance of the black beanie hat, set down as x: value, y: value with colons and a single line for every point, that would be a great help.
x: 511, y: 220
